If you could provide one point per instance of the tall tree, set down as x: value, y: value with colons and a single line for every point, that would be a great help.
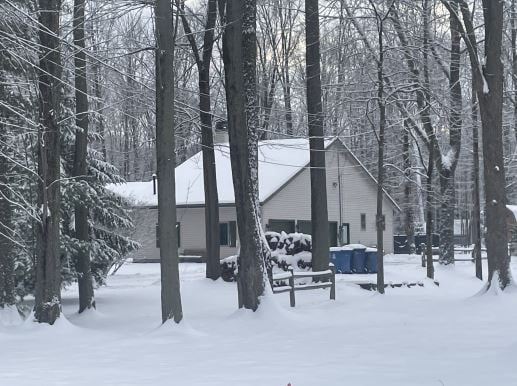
x: 165, y: 156
x: 80, y: 168
x: 446, y: 161
x: 203, y: 62
x: 488, y: 82
x: 381, y: 103
x: 319, y: 210
x: 476, y: 210
x: 239, y: 56
x: 48, y: 280
x: 7, y: 295
x: 409, y: 217
x: 11, y: 109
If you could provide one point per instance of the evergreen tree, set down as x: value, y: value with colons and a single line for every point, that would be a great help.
x: 15, y: 104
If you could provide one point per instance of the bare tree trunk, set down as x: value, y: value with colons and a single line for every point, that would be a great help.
x: 429, y: 216
x: 287, y: 101
x: 7, y: 294
x: 213, y: 268
x: 490, y: 96
x: 513, y: 19
x: 381, y: 103
x: 409, y: 220
x: 488, y: 81
x: 319, y: 210
x: 269, y: 96
x: 99, y: 107
x: 125, y: 149
x: 286, y: 44
x: 165, y: 156
x: 239, y: 55
x: 80, y: 167
x: 97, y: 87
x: 476, y: 210
x: 447, y: 166
x: 47, y: 306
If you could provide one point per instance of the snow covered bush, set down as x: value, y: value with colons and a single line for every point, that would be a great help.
x: 287, y: 250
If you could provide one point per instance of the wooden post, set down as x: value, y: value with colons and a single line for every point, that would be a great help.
x: 423, y: 247
x: 333, y: 279
x: 270, y: 276
x: 291, y: 284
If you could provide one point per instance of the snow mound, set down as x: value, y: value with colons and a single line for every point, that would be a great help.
x: 9, y: 316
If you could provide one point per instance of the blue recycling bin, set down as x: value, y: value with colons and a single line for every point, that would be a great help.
x: 342, y: 259
x: 359, y: 260
x: 371, y: 260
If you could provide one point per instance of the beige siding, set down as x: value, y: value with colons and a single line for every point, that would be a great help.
x: 192, y: 222
x: 145, y: 233
x: 358, y: 195
x: 192, y: 231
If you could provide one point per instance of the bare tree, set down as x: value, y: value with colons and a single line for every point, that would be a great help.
x: 203, y: 61
x: 239, y: 56
x: 7, y: 295
x: 80, y: 167
x: 381, y: 103
x: 165, y: 156
x: 47, y: 306
x: 319, y: 210
x: 488, y: 82
x: 446, y: 161
x: 476, y: 210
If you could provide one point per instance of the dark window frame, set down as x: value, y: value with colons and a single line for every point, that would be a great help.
x: 293, y: 222
x: 347, y: 233
x: 226, y: 242
x: 231, y: 234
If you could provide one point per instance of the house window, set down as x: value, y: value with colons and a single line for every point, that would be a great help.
x: 304, y: 226
x: 345, y: 234
x: 224, y: 233
x: 228, y: 234
x: 332, y: 234
x: 287, y: 226
x: 363, y: 221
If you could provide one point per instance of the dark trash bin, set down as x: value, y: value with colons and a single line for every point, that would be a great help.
x: 371, y: 260
x: 341, y: 257
x: 358, y: 258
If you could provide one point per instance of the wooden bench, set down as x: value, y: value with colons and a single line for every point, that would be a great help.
x: 290, y: 275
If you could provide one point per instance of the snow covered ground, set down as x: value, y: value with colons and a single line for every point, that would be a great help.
x: 427, y: 335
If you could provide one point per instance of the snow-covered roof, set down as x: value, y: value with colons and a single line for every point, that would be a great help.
x: 513, y: 209
x: 279, y: 161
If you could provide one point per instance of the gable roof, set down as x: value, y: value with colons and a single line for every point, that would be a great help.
x: 280, y: 160
x: 513, y: 210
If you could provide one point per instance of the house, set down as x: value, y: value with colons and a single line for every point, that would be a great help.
x: 284, y: 193
x: 512, y: 228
